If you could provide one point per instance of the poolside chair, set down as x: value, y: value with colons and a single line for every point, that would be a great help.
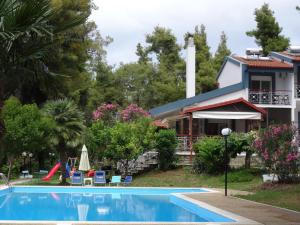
x: 77, y: 178
x: 127, y: 180
x: 99, y: 177
x: 115, y: 180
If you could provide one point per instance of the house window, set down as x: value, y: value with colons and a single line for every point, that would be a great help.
x: 259, y: 83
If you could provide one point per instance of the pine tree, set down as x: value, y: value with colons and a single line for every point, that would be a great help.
x: 267, y: 32
x: 221, y: 52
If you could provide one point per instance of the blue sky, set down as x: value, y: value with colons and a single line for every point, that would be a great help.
x: 128, y: 21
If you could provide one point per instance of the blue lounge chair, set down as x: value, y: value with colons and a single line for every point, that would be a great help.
x: 127, y: 180
x: 115, y: 180
x: 99, y: 177
x: 77, y: 178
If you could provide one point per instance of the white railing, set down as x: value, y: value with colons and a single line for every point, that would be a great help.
x: 183, y: 142
x: 270, y: 97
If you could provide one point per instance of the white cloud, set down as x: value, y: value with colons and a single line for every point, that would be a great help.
x: 127, y: 21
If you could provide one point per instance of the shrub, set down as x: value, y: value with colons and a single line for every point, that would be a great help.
x: 209, y: 155
x: 133, y: 112
x: 241, y: 142
x: 166, y: 143
x: 107, y: 112
x: 277, y: 146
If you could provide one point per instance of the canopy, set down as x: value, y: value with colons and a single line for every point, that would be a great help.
x: 227, y: 115
x: 84, y: 164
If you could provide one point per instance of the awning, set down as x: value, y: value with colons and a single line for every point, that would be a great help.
x: 227, y: 115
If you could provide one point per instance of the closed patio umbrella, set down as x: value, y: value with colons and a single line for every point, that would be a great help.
x: 84, y: 164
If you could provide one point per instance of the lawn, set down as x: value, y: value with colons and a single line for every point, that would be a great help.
x: 182, y: 177
x: 285, y: 196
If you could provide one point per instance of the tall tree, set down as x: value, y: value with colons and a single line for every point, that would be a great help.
x: 161, y: 56
x: 221, y: 52
x: 205, y: 71
x: 68, y: 128
x: 268, y: 32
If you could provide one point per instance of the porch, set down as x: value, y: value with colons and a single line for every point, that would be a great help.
x: 198, y: 122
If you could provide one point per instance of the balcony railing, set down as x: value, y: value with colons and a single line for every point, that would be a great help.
x: 270, y: 97
x: 297, y: 91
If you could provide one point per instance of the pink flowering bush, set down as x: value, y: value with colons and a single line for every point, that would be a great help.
x: 133, y: 112
x: 107, y: 112
x: 277, y: 146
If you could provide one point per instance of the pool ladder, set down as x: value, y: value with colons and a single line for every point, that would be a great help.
x: 4, y: 178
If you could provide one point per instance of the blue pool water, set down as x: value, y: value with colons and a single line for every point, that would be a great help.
x: 102, y: 204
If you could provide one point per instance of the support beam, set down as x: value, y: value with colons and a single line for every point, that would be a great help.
x: 191, y: 136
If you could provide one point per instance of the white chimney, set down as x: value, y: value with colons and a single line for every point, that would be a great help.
x: 190, y: 68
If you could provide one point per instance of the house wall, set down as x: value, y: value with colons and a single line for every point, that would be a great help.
x: 277, y: 115
x: 231, y: 74
x: 284, y: 82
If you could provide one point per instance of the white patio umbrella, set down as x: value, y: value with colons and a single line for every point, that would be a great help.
x: 84, y: 164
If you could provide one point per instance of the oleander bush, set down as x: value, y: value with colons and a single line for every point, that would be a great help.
x: 277, y: 146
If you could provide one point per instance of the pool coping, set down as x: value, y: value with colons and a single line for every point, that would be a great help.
x: 239, y: 220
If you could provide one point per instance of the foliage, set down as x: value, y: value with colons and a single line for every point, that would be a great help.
x: 26, y: 37
x: 97, y: 138
x: 267, y: 33
x: 278, y: 148
x: 107, y: 113
x: 133, y: 112
x: 145, y: 133
x: 221, y: 52
x: 124, y: 144
x: 68, y: 128
x: 241, y: 142
x: 166, y: 143
x: 25, y: 128
x: 209, y: 155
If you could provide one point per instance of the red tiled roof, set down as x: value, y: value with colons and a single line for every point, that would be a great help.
x: 159, y: 123
x: 257, y: 63
x: 221, y: 104
x: 293, y: 57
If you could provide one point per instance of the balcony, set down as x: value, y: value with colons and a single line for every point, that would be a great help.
x: 297, y: 92
x: 276, y: 97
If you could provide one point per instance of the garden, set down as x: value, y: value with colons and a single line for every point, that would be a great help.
x: 116, y: 137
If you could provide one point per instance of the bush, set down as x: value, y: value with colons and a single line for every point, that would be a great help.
x: 241, y: 142
x: 209, y: 155
x: 277, y: 146
x: 166, y: 143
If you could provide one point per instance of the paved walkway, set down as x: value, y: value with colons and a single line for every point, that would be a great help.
x: 261, y: 213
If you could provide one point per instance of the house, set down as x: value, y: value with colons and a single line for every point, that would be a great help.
x: 253, y: 92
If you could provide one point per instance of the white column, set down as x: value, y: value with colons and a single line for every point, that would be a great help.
x: 190, y: 69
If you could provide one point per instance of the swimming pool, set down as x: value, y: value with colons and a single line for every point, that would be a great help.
x: 103, y: 204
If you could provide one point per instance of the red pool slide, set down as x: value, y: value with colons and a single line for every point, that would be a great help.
x: 52, y: 172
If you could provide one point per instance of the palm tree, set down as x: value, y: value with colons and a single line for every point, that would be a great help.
x: 27, y: 34
x: 68, y: 128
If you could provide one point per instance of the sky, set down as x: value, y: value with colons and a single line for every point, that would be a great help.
x: 128, y: 21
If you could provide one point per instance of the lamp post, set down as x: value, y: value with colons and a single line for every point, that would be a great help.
x: 30, y: 155
x: 51, y: 157
x: 226, y: 132
x: 24, y: 154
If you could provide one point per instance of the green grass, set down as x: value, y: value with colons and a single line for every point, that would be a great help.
x: 182, y: 177
x: 38, y: 181
x: 285, y: 196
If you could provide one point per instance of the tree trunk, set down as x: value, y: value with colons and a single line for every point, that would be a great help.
x: 10, y: 163
x: 248, y: 160
x: 63, y: 161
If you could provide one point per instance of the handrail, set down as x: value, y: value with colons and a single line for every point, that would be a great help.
x: 4, y: 178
